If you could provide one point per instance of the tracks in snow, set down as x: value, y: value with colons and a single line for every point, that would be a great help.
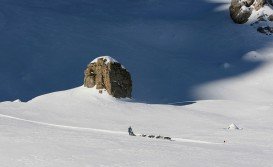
x: 96, y: 130
x: 63, y: 126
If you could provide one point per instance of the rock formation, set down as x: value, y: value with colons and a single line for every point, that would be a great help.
x: 260, y: 11
x: 239, y: 13
x: 240, y: 10
x: 106, y: 73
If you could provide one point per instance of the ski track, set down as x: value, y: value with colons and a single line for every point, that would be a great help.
x: 97, y: 130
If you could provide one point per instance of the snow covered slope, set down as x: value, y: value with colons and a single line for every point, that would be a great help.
x: 80, y: 127
x: 176, y: 51
x: 255, y: 86
x: 171, y: 46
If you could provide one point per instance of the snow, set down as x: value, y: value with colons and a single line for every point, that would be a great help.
x: 260, y: 18
x: 266, y: 10
x: 176, y: 52
x: 80, y: 127
x: 151, y: 38
x: 233, y: 127
x: 107, y: 58
x: 226, y: 65
x: 17, y: 101
x: 254, y: 86
x: 245, y: 9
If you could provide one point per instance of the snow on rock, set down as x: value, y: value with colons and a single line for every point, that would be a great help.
x: 233, y: 127
x: 245, y: 9
x: 107, y: 59
x: 257, y: 13
x: 239, y: 12
x: 106, y: 73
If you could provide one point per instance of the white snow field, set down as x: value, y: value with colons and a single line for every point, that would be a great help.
x: 80, y: 127
x: 254, y: 86
x: 175, y: 50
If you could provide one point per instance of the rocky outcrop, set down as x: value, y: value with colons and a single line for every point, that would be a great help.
x: 265, y: 30
x: 240, y: 10
x: 260, y: 12
x: 106, y: 73
x: 239, y: 13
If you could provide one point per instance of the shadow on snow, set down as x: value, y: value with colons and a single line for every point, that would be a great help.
x: 169, y: 47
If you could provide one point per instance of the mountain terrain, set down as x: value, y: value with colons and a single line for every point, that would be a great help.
x: 197, y: 78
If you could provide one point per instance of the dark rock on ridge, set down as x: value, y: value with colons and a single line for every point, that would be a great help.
x: 237, y: 12
x: 240, y: 10
x: 106, y: 73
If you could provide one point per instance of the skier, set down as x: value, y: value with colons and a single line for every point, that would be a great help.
x: 130, y: 131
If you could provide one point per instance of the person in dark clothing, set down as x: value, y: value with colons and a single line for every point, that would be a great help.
x: 130, y: 131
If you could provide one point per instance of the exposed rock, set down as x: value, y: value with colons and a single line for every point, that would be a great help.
x: 258, y: 4
x: 259, y: 10
x: 248, y: 3
x: 270, y: 18
x: 265, y: 30
x: 106, y: 73
x: 239, y: 12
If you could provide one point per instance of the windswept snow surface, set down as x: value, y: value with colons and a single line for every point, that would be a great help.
x: 80, y: 127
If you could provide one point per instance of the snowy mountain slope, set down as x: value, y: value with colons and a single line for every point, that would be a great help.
x: 80, y: 127
x: 175, y: 52
x: 255, y: 86
x: 172, y: 47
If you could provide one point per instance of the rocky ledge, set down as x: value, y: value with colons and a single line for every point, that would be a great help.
x: 258, y: 13
x: 105, y: 73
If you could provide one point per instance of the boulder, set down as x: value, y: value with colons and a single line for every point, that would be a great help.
x: 265, y: 30
x: 242, y: 10
x: 239, y: 12
x: 106, y: 73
